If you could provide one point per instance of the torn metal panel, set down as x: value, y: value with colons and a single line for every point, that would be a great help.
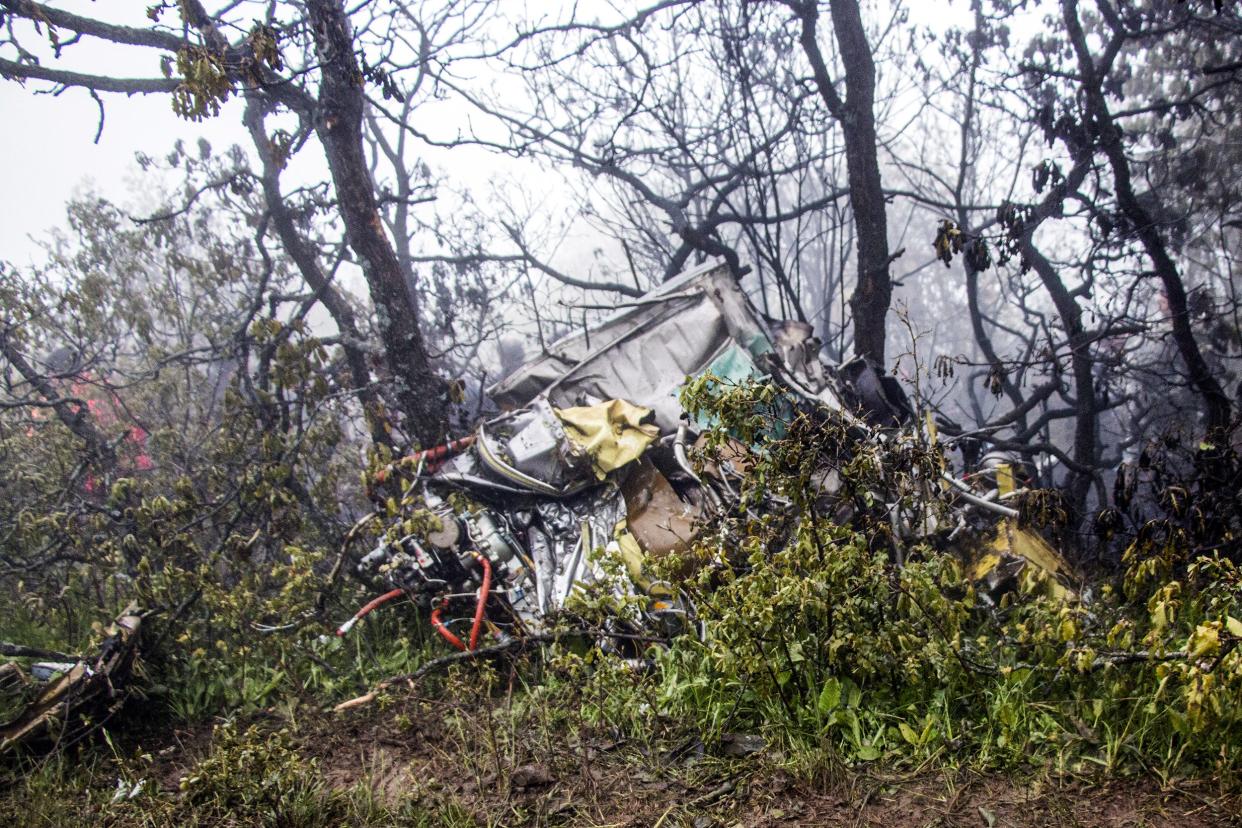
x: 660, y: 521
x: 575, y: 531
x: 592, y: 457
x: 798, y: 348
x: 552, y: 452
x: 529, y: 449
x: 563, y: 473
x: 644, y: 352
x: 1014, y: 559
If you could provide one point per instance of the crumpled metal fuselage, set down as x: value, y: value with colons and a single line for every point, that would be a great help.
x: 586, y: 475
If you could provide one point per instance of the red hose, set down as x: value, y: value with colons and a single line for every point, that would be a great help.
x: 432, y: 457
x: 481, y: 607
x: 443, y: 630
x: 480, y: 610
x: 366, y: 610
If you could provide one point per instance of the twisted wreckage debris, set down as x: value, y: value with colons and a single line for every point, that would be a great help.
x: 593, y: 455
x: 73, y: 685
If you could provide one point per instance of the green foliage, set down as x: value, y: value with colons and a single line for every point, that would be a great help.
x: 48, y: 795
x: 839, y: 645
x: 223, y: 503
x: 249, y: 776
x: 815, y: 638
x: 256, y: 778
x: 208, y: 80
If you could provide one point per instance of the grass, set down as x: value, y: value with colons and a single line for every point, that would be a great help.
x: 463, y: 759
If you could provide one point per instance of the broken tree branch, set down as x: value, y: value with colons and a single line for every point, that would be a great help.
x: 435, y: 665
x: 8, y: 648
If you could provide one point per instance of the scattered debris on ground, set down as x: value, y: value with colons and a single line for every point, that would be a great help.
x: 66, y: 690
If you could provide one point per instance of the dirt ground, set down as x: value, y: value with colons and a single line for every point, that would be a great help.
x: 535, y: 779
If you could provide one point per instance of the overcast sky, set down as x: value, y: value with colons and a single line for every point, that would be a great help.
x: 51, y: 155
x: 50, y: 151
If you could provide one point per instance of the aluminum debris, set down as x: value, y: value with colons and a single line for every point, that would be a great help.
x: 586, y: 476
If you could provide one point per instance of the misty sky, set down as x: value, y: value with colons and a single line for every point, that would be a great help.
x: 51, y: 154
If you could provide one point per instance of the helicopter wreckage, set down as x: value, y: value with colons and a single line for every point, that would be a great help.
x: 590, y: 464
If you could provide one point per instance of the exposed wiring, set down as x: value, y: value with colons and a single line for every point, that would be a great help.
x: 444, y: 631
x: 470, y: 480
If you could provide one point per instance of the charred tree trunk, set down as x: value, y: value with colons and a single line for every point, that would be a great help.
x: 420, y: 391
x: 856, y: 114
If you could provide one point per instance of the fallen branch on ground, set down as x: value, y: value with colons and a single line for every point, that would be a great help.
x: 513, y: 644
x: 101, y: 682
x: 7, y: 648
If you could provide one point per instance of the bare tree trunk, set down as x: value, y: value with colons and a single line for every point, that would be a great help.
x: 421, y: 392
x: 304, y: 256
x: 1107, y: 134
x: 874, y: 290
x: 1081, y: 365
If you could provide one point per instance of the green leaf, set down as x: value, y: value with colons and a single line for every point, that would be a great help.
x: 908, y: 734
x: 829, y: 696
x: 849, y: 718
x: 867, y: 753
x: 853, y: 695
x: 1180, y: 723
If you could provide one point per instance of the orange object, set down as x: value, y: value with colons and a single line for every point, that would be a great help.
x: 480, y: 610
x: 367, y: 609
x: 434, y: 456
x: 443, y: 630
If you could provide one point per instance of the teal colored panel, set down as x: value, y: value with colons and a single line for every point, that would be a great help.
x: 735, y: 366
